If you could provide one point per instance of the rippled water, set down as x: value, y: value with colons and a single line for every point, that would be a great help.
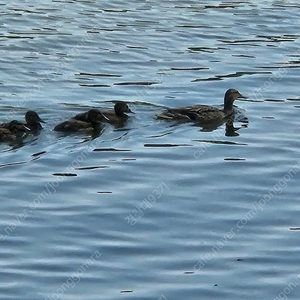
x: 154, y: 209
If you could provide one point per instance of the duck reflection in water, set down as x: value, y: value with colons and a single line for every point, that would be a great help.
x: 230, y: 130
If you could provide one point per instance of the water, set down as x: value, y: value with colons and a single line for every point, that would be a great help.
x: 222, y: 216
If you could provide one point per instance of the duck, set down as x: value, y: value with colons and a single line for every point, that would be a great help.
x: 203, y: 113
x: 12, y: 131
x: 33, y: 121
x: 91, y: 123
x: 116, y: 115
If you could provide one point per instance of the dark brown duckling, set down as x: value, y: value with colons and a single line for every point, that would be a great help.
x: 203, y: 113
x: 112, y: 116
x: 118, y: 114
x: 93, y: 119
x: 11, y: 132
x: 33, y: 121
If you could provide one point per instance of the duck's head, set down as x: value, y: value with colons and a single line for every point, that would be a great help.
x: 121, y: 108
x: 95, y: 116
x: 230, y: 96
x: 17, y: 128
x: 32, y: 117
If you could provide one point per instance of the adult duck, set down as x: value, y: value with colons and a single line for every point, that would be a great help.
x: 92, y: 122
x: 12, y: 131
x: 113, y: 116
x: 203, y: 113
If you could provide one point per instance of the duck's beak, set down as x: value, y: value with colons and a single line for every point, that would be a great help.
x: 40, y: 120
x: 130, y: 111
x: 240, y: 96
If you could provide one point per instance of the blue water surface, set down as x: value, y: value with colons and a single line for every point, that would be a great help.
x: 152, y: 209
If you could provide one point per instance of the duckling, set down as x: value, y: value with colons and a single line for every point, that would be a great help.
x: 33, y: 121
x: 11, y: 132
x: 203, y: 113
x: 117, y: 115
x: 112, y: 116
x: 92, y: 122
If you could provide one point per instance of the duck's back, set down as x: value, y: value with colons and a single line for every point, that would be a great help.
x: 82, y: 117
x: 110, y: 116
x: 201, y: 113
x: 74, y: 126
x: 4, y: 125
x: 6, y: 135
x: 206, y: 113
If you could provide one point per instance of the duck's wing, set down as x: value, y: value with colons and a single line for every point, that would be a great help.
x: 176, y: 113
x: 61, y: 126
x: 189, y: 113
x: 4, y: 125
x: 6, y: 135
x: 73, y: 126
x: 4, y: 131
x: 83, y: 126
x: 205, y: 113
x: 199, y: 109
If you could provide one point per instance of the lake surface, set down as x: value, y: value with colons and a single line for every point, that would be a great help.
x: 160, y: 210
